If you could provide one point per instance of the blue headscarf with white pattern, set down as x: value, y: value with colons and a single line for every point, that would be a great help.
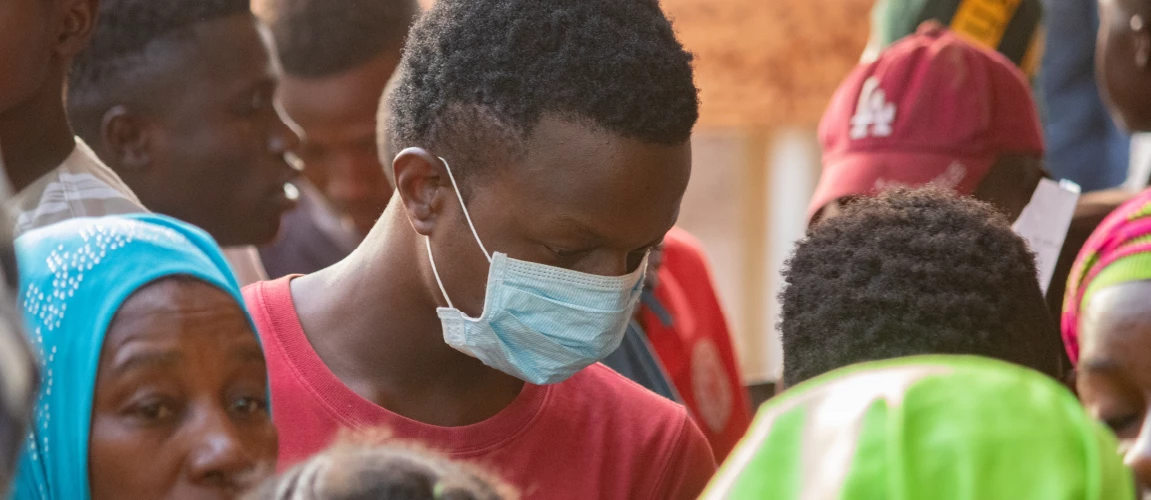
x: 75, y: 275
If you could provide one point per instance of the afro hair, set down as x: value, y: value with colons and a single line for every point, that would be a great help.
x: 127, y: 27
x: 913, y: 272
x: 478, y: 75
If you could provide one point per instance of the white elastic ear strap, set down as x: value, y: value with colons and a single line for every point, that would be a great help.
x: 428, y: 244
x: 467, y: 215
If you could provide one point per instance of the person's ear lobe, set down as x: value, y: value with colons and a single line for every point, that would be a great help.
x: 126, y: 138
x: 418, y: 177
x: 77, y: 24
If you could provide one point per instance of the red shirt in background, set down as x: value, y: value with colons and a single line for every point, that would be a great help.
x: 695, y: 346
x: 596, y: 435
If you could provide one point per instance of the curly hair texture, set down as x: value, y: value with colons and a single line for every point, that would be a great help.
x: 130, y: 40
x: 319, y: 38
x: 127, y: 27
x: 913, y: 272
x: 478, y: 75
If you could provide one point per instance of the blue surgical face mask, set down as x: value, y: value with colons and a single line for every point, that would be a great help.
x: 540, y: 323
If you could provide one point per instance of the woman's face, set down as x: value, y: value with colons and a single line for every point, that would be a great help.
x: 181, y: 407
x: 1114, y: 371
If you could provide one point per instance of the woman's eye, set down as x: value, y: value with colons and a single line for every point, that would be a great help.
x: 154, y: 411
x: 1123, y: 424
x: 249, y: 406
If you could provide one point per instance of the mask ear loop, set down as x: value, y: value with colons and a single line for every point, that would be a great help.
x: 468, y: 217
x: 464, y: 206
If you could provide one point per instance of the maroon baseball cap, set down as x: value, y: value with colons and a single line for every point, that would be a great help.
x: 933, y: 108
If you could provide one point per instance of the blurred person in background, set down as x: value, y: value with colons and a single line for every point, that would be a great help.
x: 178, y: 98
x: 1107, y: 329
x: 680, y: 319
x: 337, y: 57
x: 1124, y: 61
x: 912, y: 272
x: 54, y: 175
x: 536, y: 171
x: 155, y: 384
x: 18, y: 375
x: 935, y: 108
x: 925, y: 428
x: 1054, y: 46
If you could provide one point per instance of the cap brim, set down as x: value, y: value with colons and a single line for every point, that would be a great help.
x: 864, y: 174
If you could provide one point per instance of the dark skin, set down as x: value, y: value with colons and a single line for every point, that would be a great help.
x: 1114, y: 375
x: 336, y: 116
x: 1123, y: 61
x: 199, y: 137
x: 38, y: 38
x: 180, y: 409
x: 579, y: 198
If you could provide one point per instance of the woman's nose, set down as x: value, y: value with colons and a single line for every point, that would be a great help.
x: 219, y: 457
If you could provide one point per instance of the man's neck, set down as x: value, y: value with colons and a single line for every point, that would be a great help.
x: 372, y: 319
x: 36, y: 136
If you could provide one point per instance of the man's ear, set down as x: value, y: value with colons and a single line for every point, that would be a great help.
x: 126, y: 139
x: 419, y: 177
x: 77, y: 22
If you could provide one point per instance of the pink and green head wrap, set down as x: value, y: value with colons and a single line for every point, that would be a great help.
x: 929, y: 427
x: 1119, y: 251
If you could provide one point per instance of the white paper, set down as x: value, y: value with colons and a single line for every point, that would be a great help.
x: 1044, y: 223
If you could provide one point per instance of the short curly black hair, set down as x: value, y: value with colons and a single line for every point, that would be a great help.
x: 478, y: 75
x: 127, y: 27
x: 319, y: 38
x: 913, y: 271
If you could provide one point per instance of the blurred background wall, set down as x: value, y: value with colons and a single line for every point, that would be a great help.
x: 766, y: 69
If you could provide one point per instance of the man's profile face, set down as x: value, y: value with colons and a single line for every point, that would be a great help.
x: 218, y: 159
x: 579, y: 198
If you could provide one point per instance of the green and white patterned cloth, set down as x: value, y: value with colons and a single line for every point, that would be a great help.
x: 1011, y: 27
x: 930, y: 427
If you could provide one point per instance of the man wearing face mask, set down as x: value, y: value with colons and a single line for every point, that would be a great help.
x: 535, y: 172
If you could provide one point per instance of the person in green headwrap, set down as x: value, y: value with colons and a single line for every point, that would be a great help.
x: 931, y: 427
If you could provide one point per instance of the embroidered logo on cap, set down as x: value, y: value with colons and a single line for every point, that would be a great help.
x: 873, y: 115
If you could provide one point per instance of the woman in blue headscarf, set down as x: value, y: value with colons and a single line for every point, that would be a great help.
x: 153, y: 379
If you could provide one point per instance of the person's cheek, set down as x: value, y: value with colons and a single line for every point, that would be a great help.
x: 126, y: 458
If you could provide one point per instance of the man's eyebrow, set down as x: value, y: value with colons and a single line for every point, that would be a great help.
x: 584, y: 230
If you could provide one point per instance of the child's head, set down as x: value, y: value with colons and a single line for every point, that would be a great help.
x: 38, y: 39
x: 363, y: 471
x: 337, y: 56
x: 913, y: 272
x: 176, y: 96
